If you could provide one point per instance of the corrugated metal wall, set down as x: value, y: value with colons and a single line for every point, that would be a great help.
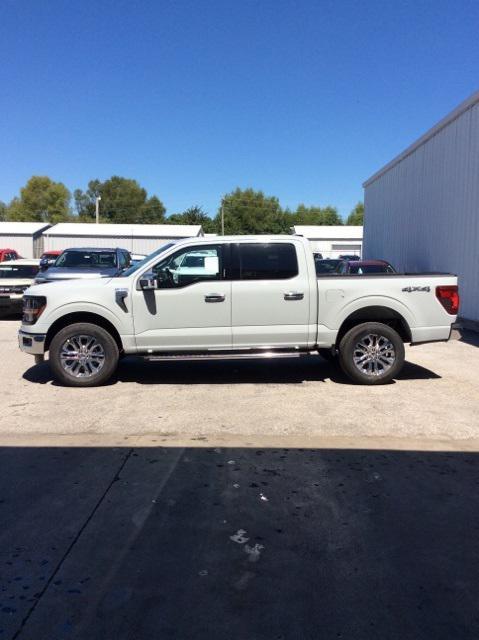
x: 134, y: 245
x: 423, y: 213
x: 23, y: 245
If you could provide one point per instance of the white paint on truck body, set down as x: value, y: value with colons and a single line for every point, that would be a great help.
x: 303, y: 311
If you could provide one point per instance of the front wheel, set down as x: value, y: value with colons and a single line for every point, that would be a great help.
x: 83, y: 355
x: 371, y: 353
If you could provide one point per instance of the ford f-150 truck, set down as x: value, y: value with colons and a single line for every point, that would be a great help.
x: 235, y: 297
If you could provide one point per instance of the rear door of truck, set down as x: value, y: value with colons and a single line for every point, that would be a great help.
x: 270, y: 294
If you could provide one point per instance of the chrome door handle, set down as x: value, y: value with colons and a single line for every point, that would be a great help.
x: 293, y: 295
x: 215, y: 297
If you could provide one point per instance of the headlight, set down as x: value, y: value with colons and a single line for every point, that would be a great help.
x: 33, y: 307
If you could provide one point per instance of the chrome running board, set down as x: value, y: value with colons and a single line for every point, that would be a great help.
x: 250, y: 355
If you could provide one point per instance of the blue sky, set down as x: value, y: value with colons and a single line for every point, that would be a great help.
x: 302, y: 99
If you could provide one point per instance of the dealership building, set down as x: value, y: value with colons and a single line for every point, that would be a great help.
x: 332, y: 240
x: 25, y: 237
x: 136, y: 238
x: 422, y: 208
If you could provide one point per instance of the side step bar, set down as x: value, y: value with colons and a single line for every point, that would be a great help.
x: 250, y: 355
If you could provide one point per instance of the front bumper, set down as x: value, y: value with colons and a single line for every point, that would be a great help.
x: 32, y: 343
x: 11, y: 304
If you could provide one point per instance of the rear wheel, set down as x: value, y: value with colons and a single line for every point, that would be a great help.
x: 371, y: 353
x: 83, y: 355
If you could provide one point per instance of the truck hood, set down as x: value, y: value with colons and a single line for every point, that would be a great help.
x: 54, y: 274
x: 66, y: 285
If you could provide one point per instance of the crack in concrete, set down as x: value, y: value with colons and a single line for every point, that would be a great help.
x: 59, y: 565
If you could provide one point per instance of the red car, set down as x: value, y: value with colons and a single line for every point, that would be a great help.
x: 365, y: 266
x: 8, y: 254
x: 48, y: 258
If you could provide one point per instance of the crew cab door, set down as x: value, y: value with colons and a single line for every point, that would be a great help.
x: 191, y: 308
x: 271, y: 295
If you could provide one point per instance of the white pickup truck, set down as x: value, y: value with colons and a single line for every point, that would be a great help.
x: 235, y: 297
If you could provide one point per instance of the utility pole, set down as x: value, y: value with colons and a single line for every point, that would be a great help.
x: 97, y: 209
x: 222, y: 218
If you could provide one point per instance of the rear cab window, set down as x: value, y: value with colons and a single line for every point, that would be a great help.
x: 264, y: 261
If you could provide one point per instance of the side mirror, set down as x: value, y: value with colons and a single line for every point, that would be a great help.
x: 148, y: 282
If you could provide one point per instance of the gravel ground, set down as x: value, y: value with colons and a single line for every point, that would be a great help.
x: 435, y: 398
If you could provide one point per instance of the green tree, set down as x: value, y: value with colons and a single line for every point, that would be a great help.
x: 41, y: 200
x: 122, y: 201
x: 356, y: 217
x: 317, y: 215
x: 3, y: 211
x: 194, y: 215
x: 248, y: 211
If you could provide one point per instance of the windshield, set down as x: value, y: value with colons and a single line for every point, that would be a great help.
x: 138, y: 265
x: 19, y: 271
x: 85, y: 259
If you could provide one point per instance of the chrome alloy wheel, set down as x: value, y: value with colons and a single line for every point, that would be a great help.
x: 374, y: 355
x: 82, y: 356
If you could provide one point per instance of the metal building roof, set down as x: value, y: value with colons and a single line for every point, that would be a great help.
x: 458, y: 111
x: 22, y: 228
x: 125, y: 230
x: 329, y: 232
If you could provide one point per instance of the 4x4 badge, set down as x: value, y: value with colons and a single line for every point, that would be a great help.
x: 411, y: 289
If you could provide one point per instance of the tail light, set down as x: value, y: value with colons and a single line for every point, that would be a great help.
x: 448, y: 296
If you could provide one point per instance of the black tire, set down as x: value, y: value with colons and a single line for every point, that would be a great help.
x: 93, y: 374
x: 385, y: 365
x: 328, y: 354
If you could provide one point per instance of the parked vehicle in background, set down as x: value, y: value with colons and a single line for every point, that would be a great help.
x: 329, y: 265
x: 317, y: 255
x: 136, y: 258
x: 365, y: 266
x: 8, y: 254
x: 235, y: 297
x: 48, y: 258
x: 349, y: 257
x: 15, y: 277
x: 82, y: 263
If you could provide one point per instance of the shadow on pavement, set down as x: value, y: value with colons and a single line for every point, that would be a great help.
x: 281, y: 371
x: 263, y: 544
x: 469, y: 337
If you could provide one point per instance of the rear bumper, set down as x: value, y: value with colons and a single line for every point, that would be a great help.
x: 431, y: 334
x: 32, y: 343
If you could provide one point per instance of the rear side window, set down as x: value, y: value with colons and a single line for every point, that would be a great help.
x: 273, y: 261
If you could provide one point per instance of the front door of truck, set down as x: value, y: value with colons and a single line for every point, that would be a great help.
x: 191, y: 308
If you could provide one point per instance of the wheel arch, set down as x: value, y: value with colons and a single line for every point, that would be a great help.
x: 83, y: 316
x: 376, y: 313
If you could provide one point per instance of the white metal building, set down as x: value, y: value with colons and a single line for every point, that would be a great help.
x: 25, y: 237
x: 422, y: 208
x: 332, y: 240
x: 137, y: 238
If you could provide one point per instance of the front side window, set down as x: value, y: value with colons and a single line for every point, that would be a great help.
x: 190, y: 265
x: 268, y: 261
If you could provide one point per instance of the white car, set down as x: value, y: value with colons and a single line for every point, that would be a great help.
x: 236, y: 297
x: 15, y: 277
